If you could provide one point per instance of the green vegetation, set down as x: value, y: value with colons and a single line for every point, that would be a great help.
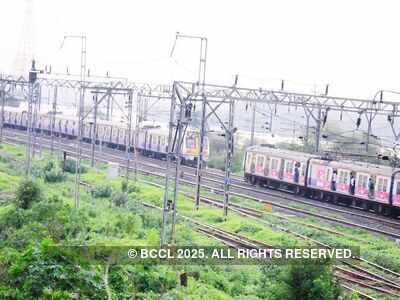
x: 28, y: 192
x: 41, y: 216
x: 218, y: 155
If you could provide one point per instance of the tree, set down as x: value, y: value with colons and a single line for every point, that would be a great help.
x: 28, y: 192
x: 308, y: 281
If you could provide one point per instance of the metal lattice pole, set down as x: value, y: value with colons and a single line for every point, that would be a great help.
x: 3, y: 103
x: 80, y: 121
x: 200, y: 160
x: 253, y: 124
x: 137, y: 128
x: 94, y: 129
x: 128, y: 138
x: 53, y: 118
x: 229, y: 154
x: 166, y: 202
x: 178, y: 157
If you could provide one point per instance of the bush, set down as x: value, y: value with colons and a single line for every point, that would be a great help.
x: 124, y: 186
x: 69, y: 166
x: 28, y: 192
x: 49, y: 166
x: 308, y: 280
x: 120, y: 199
x: 101, y: 191
x: 53, y: 175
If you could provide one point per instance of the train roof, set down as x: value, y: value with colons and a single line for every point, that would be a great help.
x: 356, y: 166
x: 359, y: 166
x: 268, y: 149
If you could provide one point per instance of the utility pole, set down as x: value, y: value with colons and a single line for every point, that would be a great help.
x: 80, y: 115
x: 53, y: 119
x: 201, y: 79
x: 181, y: 123
x: 34, y: 121
x: 229, y: 133
x: 318, y: 131
x: 167, y: 202
x: 253, y: 124
x: 32, y: 98
x: 3, y: 103
x: 128, y: 137
x: 94, y: 128
x: 137, y: 128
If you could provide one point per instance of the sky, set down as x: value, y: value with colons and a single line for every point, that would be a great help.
x: 353, y: 46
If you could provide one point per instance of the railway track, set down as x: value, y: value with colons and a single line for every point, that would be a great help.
x: 360, y: 277
x: 391, y: 228
x: 238, y: 183
x: 355, y: 276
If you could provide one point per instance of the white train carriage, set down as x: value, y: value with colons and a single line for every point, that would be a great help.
x: 395, y: 187
x: 361, y: 180
x: 153, y: 141
x: 269, y: 166
x: 368, y: 186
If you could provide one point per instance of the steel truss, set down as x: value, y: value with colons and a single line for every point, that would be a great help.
x: 211, y: 98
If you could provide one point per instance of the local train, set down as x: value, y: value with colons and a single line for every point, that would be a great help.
x: 363, y: 185
x: 152, y: 139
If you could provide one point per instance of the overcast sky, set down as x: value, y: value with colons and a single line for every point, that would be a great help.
x: 352, y: 45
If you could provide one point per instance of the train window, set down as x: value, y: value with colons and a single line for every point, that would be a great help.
x: 328, y: 174
x: 289, y: 166
x: 260, y: 161
x: 362, y: 181
x: 274, y: 164
x: 343, y: 175
x: 398, y: 188
x: 383, y: 184
x: 302, y: 170
x: 248, y: 160
x: 190, y: 142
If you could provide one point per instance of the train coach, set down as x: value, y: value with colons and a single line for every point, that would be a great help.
x: 152, y: 139
x: 363, y: 185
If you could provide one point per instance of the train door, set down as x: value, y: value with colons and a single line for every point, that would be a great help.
x: 396, y: 193
x: 247, y: 166
x: 319, y: 174
x: 362, y: 184
x: 66, y: 127
x: 266, y: 165
x: 274, y: 167
x: 302, y: 170
x: 164, y: 146
x: 343, y: 180
x: 260, y: 164
x: 382, y: 188
x: 328, y: 178
x: 253, y: 163
x: 144, y: 146
x: 288, y: 170
x: 158, y: 143
x: 150, y: 140
x: 24, y: 120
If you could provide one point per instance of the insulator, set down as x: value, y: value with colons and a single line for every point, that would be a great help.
x: 188, y: 110
x: 358, y: 122
x: 247, y: 106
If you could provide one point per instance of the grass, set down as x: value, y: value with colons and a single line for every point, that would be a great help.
x: 119, y: 226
